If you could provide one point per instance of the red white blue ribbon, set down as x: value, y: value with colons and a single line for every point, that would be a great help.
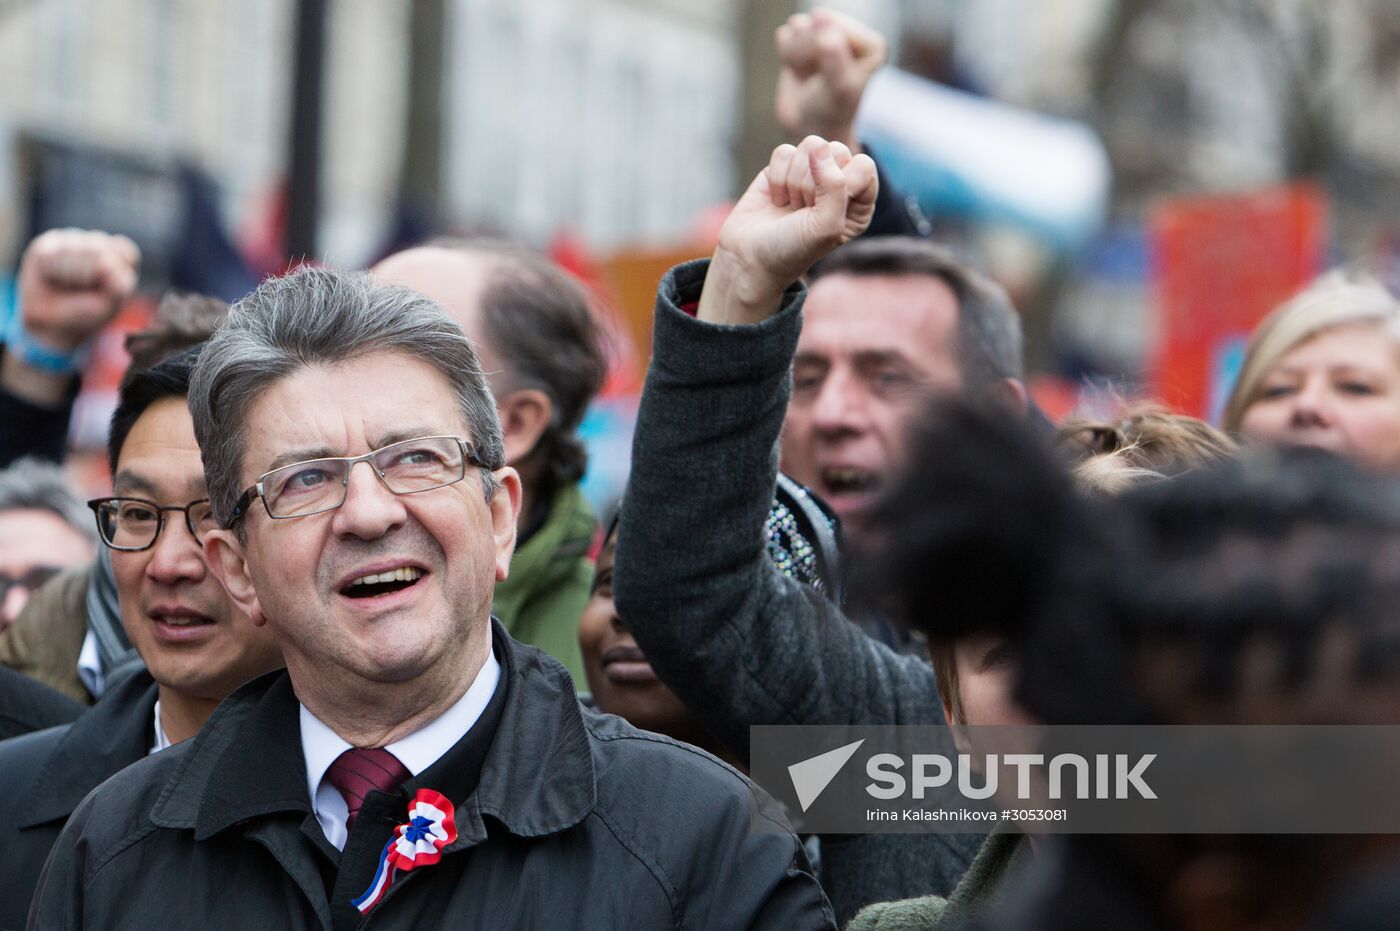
x: 431, y: 827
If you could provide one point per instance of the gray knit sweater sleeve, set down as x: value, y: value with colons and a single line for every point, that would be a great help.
x: 739, y: 643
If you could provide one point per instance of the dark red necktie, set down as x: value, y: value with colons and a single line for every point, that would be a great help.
x: 355, y: 772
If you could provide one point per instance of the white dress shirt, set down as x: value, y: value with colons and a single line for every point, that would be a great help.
x: 90, y: 666
x: 161, y: 741
x: 419, y: 750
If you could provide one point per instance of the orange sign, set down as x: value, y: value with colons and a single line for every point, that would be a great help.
x: 1220, y: 264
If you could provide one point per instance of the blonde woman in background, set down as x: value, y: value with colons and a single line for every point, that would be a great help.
x: 1323, y: 370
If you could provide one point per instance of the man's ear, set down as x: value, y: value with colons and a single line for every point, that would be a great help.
x: 505, y: 511
x: 224, y: 556
x: 525, y: 415
x: 1012, y: 393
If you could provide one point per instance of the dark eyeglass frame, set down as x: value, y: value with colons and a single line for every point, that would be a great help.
x: 256, y: 491
x: 97, y: 503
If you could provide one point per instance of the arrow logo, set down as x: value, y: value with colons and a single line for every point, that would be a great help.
x: 811, y: 777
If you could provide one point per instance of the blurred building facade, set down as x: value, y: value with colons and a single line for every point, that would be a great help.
x: 1191, y: 97
x: 210, y: 83
x: 614, y: 118
x: 620, y: 120
x: 609, y: 117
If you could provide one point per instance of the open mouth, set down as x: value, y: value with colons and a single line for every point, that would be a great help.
x: 847, y: 480
x: 382, y: 583
x: 182, y: 620
x: 180, y: 624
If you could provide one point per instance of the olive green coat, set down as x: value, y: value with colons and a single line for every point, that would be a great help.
x: 46, y: 638
x: 981, y: 885
x: 549, y: 583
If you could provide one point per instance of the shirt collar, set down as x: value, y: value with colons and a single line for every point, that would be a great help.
x: 537, y: 775
x: 419, y: 750
x: 90, y: 666
x: 161, y: 741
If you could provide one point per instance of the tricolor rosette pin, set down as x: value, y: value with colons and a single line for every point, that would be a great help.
x: 430, y: 828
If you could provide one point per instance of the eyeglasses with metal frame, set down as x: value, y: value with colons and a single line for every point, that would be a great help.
x: 315, y: 486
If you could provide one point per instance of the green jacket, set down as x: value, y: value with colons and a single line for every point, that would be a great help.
x: 981, y: 885
x: 550, y: 579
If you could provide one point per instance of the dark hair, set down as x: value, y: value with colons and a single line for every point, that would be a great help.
x: 140, y: 388
x: 182, y: 320
x: 1148, y: 608
x: 1280, y: 547
x: 537, y: 321
x: 976, y: 534
x: 989, y: 329
x: 1274, y: 555
x: 984, y: 533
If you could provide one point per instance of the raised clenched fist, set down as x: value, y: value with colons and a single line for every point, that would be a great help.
x: 810, y: 199
x: 827, y: 59
x: 71, y: 282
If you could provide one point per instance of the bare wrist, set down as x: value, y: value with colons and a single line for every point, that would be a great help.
x: 31, y: 384
x: 56, y: 340
x: 734, y: 293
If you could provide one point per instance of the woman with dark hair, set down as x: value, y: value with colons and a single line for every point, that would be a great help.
x: 1001, y: 516
x: 1222, y: 570
x: 973, y: 532
x: 1259, y: 593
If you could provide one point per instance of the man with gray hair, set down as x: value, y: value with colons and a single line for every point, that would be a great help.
x: 413, y: 762
x: 43, y: 530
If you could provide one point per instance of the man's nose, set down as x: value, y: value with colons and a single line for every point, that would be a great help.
x: 175, y: 556
x: 839, y: 405
x: 370, y: 509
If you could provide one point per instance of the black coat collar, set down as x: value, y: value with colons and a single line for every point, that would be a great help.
x: 262, y: 770
x: 107, y: 738
x: 537, y: 777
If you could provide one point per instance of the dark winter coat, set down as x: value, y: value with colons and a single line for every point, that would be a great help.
x: 28, y: 705
x: 566, y: 819
x: 739, y: 642
x: 44, y: 775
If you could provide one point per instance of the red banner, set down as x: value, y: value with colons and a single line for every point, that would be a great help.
x: 1220, y: 265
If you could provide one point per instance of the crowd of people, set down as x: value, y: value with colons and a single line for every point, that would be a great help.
x: 257, y: 686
